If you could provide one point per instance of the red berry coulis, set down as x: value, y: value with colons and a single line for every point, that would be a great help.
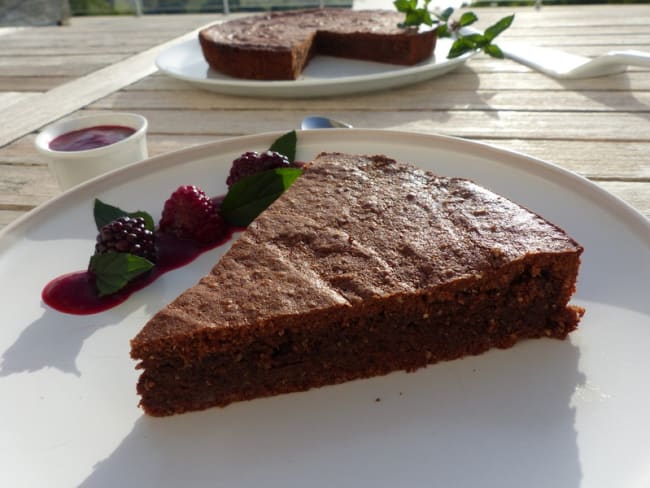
x: 90, y: 138
x: 75, y: 293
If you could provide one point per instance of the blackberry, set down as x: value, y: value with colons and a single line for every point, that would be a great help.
x: 190, y: 214
x: 127, y: 234
x: 253, y: 162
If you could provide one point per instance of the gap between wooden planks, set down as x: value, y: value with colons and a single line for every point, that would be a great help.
x: 32, y: 114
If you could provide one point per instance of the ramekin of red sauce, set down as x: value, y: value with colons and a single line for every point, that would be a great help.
x: 79, y: 149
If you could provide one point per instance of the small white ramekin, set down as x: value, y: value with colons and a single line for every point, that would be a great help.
x: 74, y: 167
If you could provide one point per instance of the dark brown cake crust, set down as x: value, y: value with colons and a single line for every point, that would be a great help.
x: 277, y: 46
x: 363, y: 267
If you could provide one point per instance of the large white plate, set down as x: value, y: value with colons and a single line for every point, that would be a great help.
x: 545, y: 413
x: 324, y: 75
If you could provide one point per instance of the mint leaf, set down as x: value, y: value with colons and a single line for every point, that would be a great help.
x: 250, y: 196
x: 405, y: 5
x: 494, y: 51
x: 496, y: 29
x: 415, y: 16
x: 443, y: 31
x: 461, y: 46
x: 105, y: 214
x: 468, y: 18
x: 478, y: 40
x: 114, y: 270
x: 286, y: 145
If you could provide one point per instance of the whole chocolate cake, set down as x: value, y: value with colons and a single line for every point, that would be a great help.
x: 364, y: 266
x: 277, y: 46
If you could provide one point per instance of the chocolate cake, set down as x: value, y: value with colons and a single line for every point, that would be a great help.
x: 277, y: 46
x: 364, y: 266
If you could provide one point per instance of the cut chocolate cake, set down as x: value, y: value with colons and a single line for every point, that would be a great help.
x: 277, y: 46
x: 363, y: 267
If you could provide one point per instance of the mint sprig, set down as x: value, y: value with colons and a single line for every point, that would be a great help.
x: 250, y: 196
x: 114, y: 270
x: 415, y: 16
x: 105, y: 214
x: 477, y: 41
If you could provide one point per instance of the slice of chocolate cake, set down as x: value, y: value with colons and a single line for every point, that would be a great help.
x: 363, y: 267
x: 278, y: 45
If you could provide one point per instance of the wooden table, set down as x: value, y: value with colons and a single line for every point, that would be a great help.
x: 596, y: 127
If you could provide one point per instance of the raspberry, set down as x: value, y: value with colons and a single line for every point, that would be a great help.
x: 190, y: 214
x: 253, y: 162
x: 127, y: 234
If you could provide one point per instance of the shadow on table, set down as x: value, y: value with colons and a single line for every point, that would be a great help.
x: 600, y: 90
x: 474, y: 422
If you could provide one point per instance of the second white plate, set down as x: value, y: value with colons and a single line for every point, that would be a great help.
x: 324, y: 76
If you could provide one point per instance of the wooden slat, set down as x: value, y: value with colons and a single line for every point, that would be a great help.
x: 5, y: 31
x: 10, y: 97
x: 567, y: 16
x: 583, y: 126
x: 509, y: 76
x: 31, y: 83
x: 9, y: 216
x: 63, y: 65
x: 24, y: 187
x: 614, y: 161
x: 635, y: 194
x: 421, y: 96
x: 75, y: 94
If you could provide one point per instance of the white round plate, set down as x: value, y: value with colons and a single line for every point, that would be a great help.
x: 323, y: 76
x: 545, y: 413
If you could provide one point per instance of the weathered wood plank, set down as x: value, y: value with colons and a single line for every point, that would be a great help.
x: 24, y: 187
x: 9, y: 216
x: 62, y: 65
x: 507, y: 77
x: 615, y: 160
x: 76, y: 48
x: 31, y: 83
x: 10, y: 97
x: 420, y: 96
x: 5, y: 31
x: 635, y: 194
x: 565, y: 16
x: 585, y: 126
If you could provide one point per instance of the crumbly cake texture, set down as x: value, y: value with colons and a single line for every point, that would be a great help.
x: 363, y: 267
x: 277, y: 46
